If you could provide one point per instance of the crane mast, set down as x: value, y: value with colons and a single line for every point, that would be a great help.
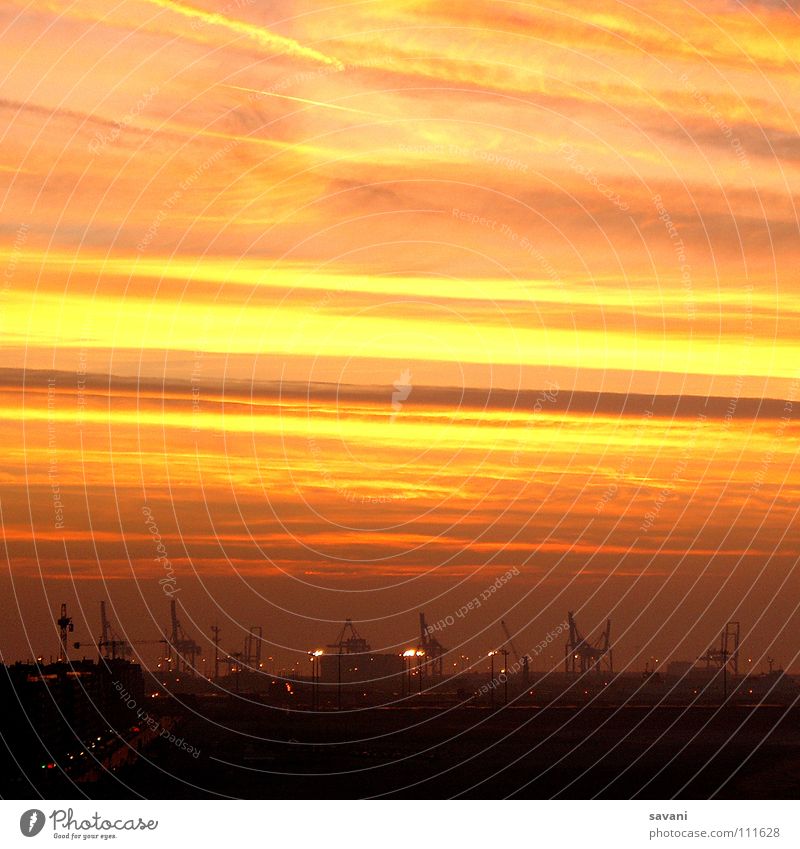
x: 65, y: 626
x: 581, y: 656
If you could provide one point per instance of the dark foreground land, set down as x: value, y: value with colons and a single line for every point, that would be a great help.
x: 256, y: 751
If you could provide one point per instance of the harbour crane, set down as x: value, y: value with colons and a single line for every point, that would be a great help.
x: 65, y: 626
x: 109, y: 645
x: 582, y: 656
x: 185, y: 649
x: 252, y: 647
x: 349, y: 640
x: 433, y: 650
x: 509, y: 641
x: 728, y: 652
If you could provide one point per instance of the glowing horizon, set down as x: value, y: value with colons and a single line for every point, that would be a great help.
x: 405, y: 209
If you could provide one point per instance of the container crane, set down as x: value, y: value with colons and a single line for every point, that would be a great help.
x: 186, y: 649
x: 727, y: 655
x: 582, y: 656
x: 252, y: 647
x: 349, y: 640
x: 433, y: 650
x: 109, y: 645
x: 509, y: 641
x: 65, y: 626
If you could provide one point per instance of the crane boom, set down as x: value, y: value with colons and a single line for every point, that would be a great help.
x: 509, y: 640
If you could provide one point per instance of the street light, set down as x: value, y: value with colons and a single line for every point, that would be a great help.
x: 491, y: 678
x: 408, y: 654
x: 312, y: 656
x: 339, y: 677
x: 504, y: 671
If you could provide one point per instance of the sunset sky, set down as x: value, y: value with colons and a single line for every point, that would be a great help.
x: 371, y: 302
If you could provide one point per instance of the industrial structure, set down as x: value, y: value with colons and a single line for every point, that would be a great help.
x: 349, y: 670
x: 215, y: 630
x: 350, y: 660
x: 431, y: 650
x: 726, y: 656
x: 251, y: 656
x: 109, y: 645
x: 349, y: 640
x: 65, y: 626
x: 581, y: 655
x: 182, y: 651
x: 71, y: 723
x: 523, y: 662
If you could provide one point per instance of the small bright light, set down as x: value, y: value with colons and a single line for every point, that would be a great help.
x: 409, y: 652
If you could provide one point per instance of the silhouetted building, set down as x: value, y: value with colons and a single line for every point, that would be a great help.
x: 380, y: 671
x: 57, y: 710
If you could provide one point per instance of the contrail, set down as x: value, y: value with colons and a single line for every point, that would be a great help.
x: 264, y: 37
x: 301, y: 100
